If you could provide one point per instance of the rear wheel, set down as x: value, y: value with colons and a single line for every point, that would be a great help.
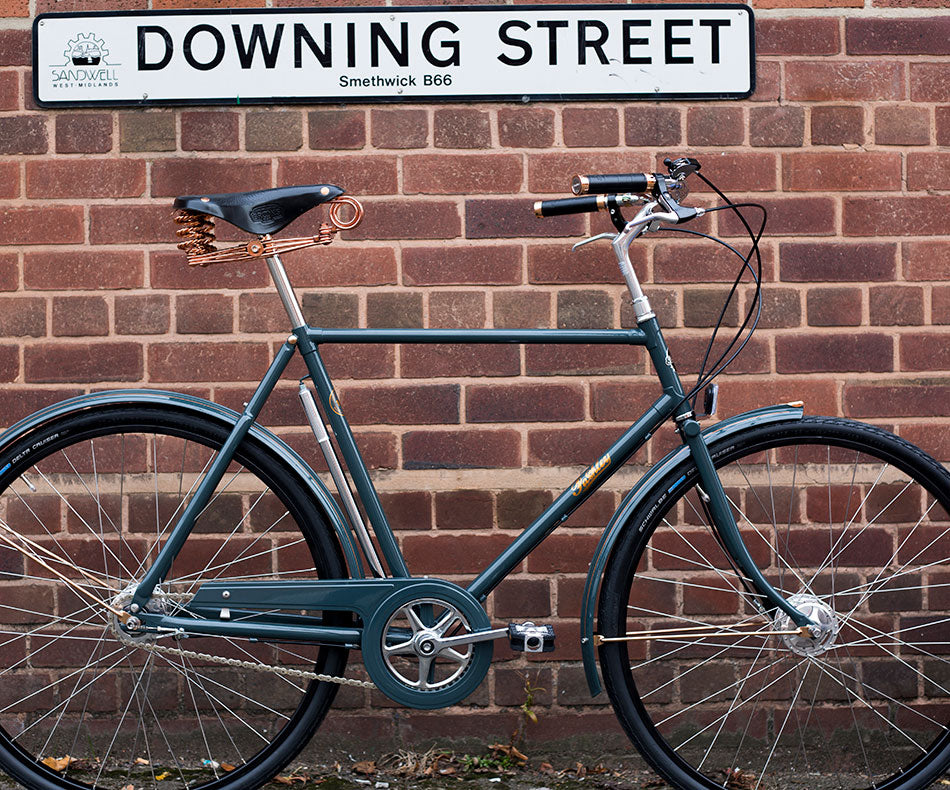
x: 851, y: 524
x: 84, y: 704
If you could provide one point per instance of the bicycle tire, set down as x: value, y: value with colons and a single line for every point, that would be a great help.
x: 99, y: 489
x: 847, y: 516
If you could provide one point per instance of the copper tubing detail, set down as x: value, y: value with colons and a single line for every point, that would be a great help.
x: 580, y: 185
x: 197, y: 236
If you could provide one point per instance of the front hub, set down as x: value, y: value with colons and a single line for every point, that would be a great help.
x: 823, y: 637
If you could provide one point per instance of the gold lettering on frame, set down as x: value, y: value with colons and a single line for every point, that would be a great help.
x: 584, y: 481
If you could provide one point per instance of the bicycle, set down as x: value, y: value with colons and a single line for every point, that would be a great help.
x: 180, y: 590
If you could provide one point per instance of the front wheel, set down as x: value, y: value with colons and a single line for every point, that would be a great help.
x: 85, y: 704
x: 851, y: 524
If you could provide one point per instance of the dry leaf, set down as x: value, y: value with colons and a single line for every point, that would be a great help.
x: 59, y: 763
x: 163, y: 775
x: 289, y: 780
x: 580, y: 770
x: 546, y: 768
x: 128, y: 787
x: 366, y: 767
x: 141, y: 761
x: 227, y: 767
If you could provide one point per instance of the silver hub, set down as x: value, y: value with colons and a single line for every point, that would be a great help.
x: 160, y: 603
x: 818, y: 611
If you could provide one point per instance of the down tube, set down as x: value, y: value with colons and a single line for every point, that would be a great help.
x: 570, y: 499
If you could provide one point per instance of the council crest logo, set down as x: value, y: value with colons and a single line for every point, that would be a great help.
x: 86, y: 64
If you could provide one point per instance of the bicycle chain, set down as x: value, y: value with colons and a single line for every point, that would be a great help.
x: 236, y: 662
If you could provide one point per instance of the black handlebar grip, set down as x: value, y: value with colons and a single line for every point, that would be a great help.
x: 575, y: 205
x: 615, y: 183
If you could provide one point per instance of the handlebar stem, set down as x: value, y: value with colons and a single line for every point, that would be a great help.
x: 621, y: 245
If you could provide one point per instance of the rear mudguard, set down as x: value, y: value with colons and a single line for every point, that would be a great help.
x: 641, y: 492
x: 188, y: 404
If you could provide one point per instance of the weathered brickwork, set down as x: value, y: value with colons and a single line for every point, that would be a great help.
x: 846, y: 142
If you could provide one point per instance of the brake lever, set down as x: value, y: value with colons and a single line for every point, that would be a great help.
x: 598, y: 237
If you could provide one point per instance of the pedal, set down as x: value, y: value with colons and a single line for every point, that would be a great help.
x: 531, y: 638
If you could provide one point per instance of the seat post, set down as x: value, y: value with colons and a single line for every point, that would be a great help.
x: 285, y: 289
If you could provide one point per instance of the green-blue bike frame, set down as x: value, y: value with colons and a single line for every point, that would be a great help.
x: 363, y: 596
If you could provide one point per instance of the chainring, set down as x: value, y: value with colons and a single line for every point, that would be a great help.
x: 402, y: 652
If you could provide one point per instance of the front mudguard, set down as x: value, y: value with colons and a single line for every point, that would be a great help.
x: 188, y: 404
x: 642, y: 491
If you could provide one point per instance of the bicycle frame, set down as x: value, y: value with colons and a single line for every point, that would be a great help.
x: 361, y: 596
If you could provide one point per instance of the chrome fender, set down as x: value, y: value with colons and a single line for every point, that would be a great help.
x: 640, y: 492
x: 189, y: 404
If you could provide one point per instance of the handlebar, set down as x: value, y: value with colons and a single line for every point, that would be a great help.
x: 574, y: 205
x: 639, y: 183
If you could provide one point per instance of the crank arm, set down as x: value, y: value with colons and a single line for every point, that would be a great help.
x: 468, y: 639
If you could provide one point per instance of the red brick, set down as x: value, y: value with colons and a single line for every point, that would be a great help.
x: 838, y: 261
x: 97, y: 178
x: 929, y: 81
x: 9, y: 363
x: 792, y: 216
x: 461, y: 128
x: 83, y: 362
x: 207, y: 361
x: 652, y: 125
x: 9, y: 179
x: 524, y: 403
x: 456, y: 310
x: 194, y: 176
x: 844, y: 81
x: 798, y: 36
x: 445, y: 174
x: 142, y: 315
x: 930, y: 36
x: 566, y: 553
x: 360, y: 362
x: 841, y: 352
x: 23, y: 316
x: 83, y: 134
x: 768, y: 81
x: 555, y: 263
x: 482, y: 265
x: 204, y: 314
x: 587, y: 127
x: 942, y: 116
x: 924, y: 351
x: 928, y: 170
x: 516, y: 509
x: 927, y: 215
x: 463, y: 510
x: 582, y: 360
x: 358, y: 175
x: 273, y: 131
x: 83, y: 269
x: 865, y: 171
x: 46, y: 6
x: 170, y: 270
x: 899, y: 124
x: 329, y: 129
x: 147, y: 131
x: 49, y: 225
x: 399, y: 128
x: 940, y: 301
x: 468, y: 449
x: 394, y: 310
x: 749, y: 171
x: 527, y: 127
x: 209, y: 130
x: 777, y: 126
x: 345, y: 265
x: 584, y: 309
x: 18, y: 403
x: 408, y: 509
x: 23, y: 134
x: 569, y: 446
x: 15, y: 48
x: 926, y: 260
x: 78, y: 316
x: 423, y: 361
x: 552, y: 172
x: 9, y: 271
x: 408, y: 219
x: 9, y: 91
x: 708, y: 307
x: 456, y: 553
x: 401, y: 405
x: 687, y: 355
x: 897, y: 305
x: 131, y: 224
x: 614, y: 401
x: 834, y: 306
x: 837, y: 124
x: 521, y: 309
x: 819, y: 395
x: 514, y: 217
x: 682, y: 261
x: 715, y: 126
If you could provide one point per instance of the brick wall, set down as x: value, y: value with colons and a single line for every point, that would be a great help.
x: 845, y: 141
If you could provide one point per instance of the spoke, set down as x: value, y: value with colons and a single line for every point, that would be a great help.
x: 778, y: 737
x: 454, y: 655
x: 425, y: 664
x: 414, y: 621
x: 402, y: 649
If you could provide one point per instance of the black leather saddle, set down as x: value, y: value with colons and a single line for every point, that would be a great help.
x: 263, y: 211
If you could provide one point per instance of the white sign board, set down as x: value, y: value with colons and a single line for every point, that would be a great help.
x: 500, y: 53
